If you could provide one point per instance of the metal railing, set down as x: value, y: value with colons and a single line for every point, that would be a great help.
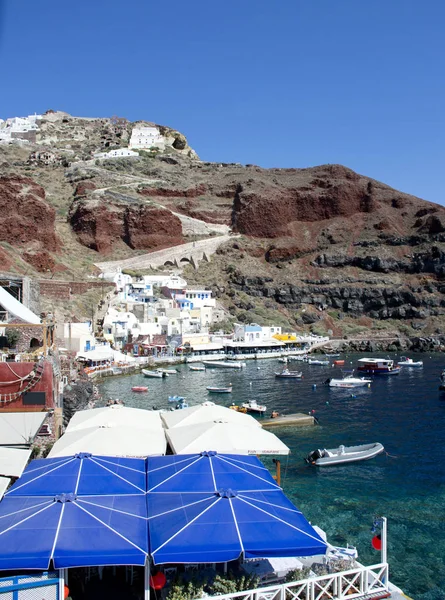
x: 354, y: 584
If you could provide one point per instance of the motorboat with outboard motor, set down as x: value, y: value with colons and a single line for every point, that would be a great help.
x: 343, y: 454
x: 253, y: 407
x: 158, y: 373
x: 409, y: 362
x: 348, y: 381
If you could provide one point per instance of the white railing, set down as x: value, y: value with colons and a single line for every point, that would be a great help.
x: 353, y: 584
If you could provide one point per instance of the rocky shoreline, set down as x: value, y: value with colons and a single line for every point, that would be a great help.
x: 78, y: 395
x: 396, y: 344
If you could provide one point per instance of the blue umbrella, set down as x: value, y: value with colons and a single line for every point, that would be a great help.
x: 75, y: 511
x: 215, y: 507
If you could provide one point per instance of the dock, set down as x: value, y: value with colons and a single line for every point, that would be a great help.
x: 295, y: 419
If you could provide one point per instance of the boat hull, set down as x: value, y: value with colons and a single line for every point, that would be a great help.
x: 157, y: 374
x: 347, y: 384
x: 215, y: 390
x: 223, y: 364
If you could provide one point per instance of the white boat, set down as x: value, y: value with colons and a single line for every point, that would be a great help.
x: 286, y: 374
x: 409, y: 362
x: 158, y: 373
x: 253, y: 406
x: 343, y: 454
x: 169, y: 371
x: 317, y: 361
x: 299, y: 357
x: 282, y: 360
x: 222, y: 364
x: 348, y: 381
x: 198, y: 368
x: 176, y: 398
x: 219, y: 390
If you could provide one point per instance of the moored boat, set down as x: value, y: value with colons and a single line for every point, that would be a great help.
x: 317, y: 361
x: 139, y: 388
x: 348, y: 381
x: 176, y: 398
x: 237, y: 408
x: 197, y: 368
x: 254, y: 407
x: 219, y: 390
x: 343, y: 454
x: 378, y: 366
x: 286, y: 374
x: 409, y: 362
x: 158, y: 373
x: 169, y: 371
x: 223, y: 364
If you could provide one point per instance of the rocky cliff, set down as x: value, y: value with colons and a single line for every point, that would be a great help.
x: 322, y: 248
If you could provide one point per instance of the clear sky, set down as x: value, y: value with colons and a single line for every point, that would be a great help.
x: 278, y: 83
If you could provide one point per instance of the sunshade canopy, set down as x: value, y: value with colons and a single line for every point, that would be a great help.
x: 4, y: 482
x: 112, y: 439
x: 213, y: 508
x: 224, y: 437
x: 206, y: 414
x: 76, y: 511
x: 13, y: 461
x: 116, y: 415
x: 20, y: 428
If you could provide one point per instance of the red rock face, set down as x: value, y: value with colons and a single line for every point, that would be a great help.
x: 99, y: 226
x: 151, y: 228
x: 43, y: 262
x: 160, y: 192
x: 25, y: 217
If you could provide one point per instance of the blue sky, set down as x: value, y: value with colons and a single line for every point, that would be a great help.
x: 285, y: 83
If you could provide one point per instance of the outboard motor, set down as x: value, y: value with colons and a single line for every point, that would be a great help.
x: 313, y: 456
x: 327, y: 382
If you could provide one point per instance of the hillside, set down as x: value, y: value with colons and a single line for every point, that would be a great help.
x: 322, y: 248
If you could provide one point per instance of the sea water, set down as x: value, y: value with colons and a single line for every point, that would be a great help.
x: 406, y: 484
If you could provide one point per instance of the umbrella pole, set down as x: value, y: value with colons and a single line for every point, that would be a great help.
x: 61, y: 583
x: 147, y: 579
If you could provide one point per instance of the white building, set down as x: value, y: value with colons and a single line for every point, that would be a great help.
x: 119, y: 279
x: 118, y: 153
x: 253, y: 333
x: 77, y: 337
x: 144, y: 136
x: 117, y: 326
x: 18, y: 127
x: 173, y: 282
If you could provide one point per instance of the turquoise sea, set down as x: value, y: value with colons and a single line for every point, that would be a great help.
x: 406, y: 413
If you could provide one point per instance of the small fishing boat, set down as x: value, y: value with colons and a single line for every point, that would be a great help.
x: 286, y: 374
x: 378, y: 366
x: 317, y: 361
x: 348, y: 381
x: 339, y: 363
x: 158, y: 373
x: 409, y: 362
x: 169, y: 371
x: 219, y: 390
x: 139, y: 388
x: 343, y: 454
x: 283, y: 360
x: 176, y: 398
x: 332, y: 355
x: 198, y: 368
x: 253, y: 407
x: 299, y: 357
x: 222, y: 364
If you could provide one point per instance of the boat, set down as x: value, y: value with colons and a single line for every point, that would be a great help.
x: 332, y: 355
x: 409, y: 362
x: 339, y: 363
x: 169, y: 371
x: 299, y: 357
x: 343, y: 454
x: 176, y: 398
x: 317, y: 361
x: 223, y: 364
x: 254, y: 407
x: 198, y: 368
x: 237, y: 408
x: 283, y: 360
x: 139, y: 388
x: 158, y: 373
x: 348, y: 381
x: 219, y: 390
x: 286, y: 374
x: 378, y: 366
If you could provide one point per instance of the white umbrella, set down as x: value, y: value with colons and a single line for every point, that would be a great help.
x: 204, y: 414
x: 227, y: 438
x: 116, y: 415
x: 111, y: 440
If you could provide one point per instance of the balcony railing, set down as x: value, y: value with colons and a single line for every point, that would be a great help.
x: 354, y: 584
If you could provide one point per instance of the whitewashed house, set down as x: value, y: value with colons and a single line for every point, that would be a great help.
x: 118, y: 153
x: 145, y: 136
x: 77, y: 337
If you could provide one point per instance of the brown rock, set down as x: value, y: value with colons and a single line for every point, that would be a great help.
x: 25, y: 216
x: 151, y: 228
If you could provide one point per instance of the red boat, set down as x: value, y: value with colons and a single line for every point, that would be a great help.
x: 139, y: 388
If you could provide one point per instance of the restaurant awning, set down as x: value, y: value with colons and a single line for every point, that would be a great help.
x: 13, y: 461
x: 20, y: 428
x: 224, y: 437
x: 77, y: 511
x: 118, y: 415
x: 205, y: 414
x: 213, y: 508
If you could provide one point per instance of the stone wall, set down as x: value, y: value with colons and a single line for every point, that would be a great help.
x: 65, y: 290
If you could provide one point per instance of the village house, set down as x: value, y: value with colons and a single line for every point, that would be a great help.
x: 144, y: 136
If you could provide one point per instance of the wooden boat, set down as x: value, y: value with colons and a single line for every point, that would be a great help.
x: 158, y: 373
x: 223, y: 364
x: 198, y: 368
x: 253, y: 407
x: 409, y: 362
x: 139, y: 388
x: 343, y: 454
x: 219, y: 390
x: 378, y: 366
x: 286, y: 374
